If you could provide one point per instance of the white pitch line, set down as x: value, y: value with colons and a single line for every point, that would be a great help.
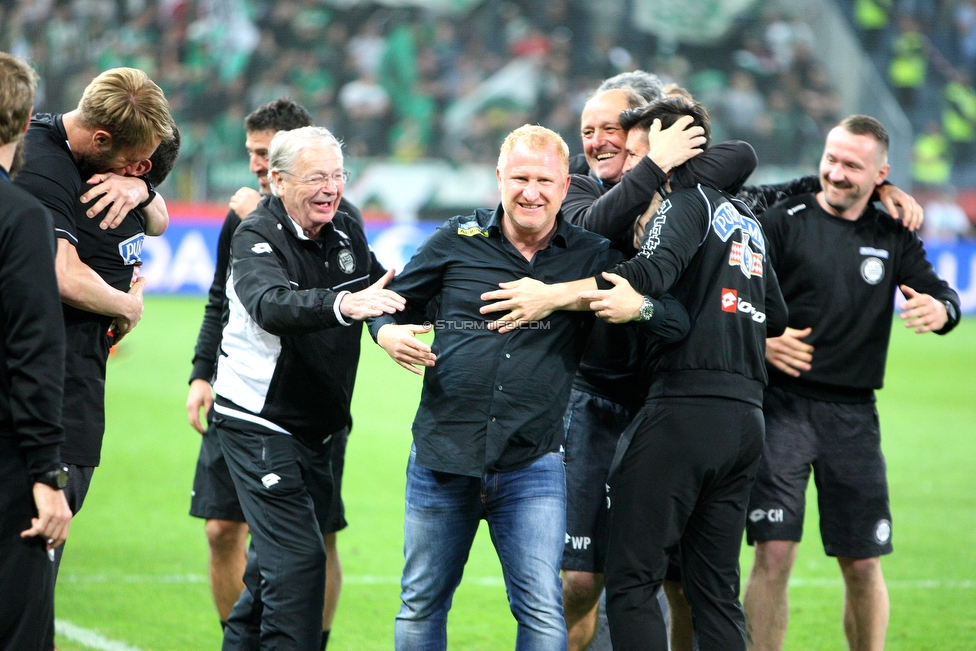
x: 909, y: 584
x: 493, y: 581
x: 90, y: 639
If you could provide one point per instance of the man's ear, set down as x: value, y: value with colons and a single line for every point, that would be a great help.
x: 101, y: 140
x: 30, y: 114
x: 882, y: 174
x: 138, y: 169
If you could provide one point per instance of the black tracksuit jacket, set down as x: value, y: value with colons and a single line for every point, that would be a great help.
x: 708, y: 251
x: 287, y: 357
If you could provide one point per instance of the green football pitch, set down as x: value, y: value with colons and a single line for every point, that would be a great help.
x: 135, y: 569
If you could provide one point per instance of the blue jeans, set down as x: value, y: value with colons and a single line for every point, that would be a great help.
x: 526, y: 514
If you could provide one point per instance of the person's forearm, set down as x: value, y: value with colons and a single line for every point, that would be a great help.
x: 157, y: 217
x: 565, y: 296
x: 80, y: 287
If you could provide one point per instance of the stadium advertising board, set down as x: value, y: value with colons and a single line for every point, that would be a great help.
x: 182, y: 260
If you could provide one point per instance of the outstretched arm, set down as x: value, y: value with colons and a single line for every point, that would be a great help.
x: 401, y: 344
x: 527, y: 299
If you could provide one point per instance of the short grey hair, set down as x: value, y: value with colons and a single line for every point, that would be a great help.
x: 287, y: 145
x: 645, y: 84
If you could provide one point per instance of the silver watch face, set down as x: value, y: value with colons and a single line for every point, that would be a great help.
x: 646, y: 310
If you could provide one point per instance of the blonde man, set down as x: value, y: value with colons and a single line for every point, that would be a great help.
x: 488, y: 430
x: 78, y: 165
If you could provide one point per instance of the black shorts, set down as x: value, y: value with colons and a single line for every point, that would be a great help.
x: 593, y: 427
x: 214, y: 496
x: 842, y: 443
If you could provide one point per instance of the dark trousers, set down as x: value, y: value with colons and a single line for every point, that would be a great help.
x: 26, y: 570
x: 680, y: 482
x: 79, y: 481
x: 281, y: 485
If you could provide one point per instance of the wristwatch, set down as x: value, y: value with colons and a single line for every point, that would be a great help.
x: 152, y: 192
x: 57, y: 478
x: 646, y: 310
x: 950, y: 310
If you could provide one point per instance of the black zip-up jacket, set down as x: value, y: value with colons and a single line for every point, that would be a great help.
x: 32, y: 346
x: 708, y: 251
x: 839, y: 277
x: 288, y: 358
x: 208, y: 341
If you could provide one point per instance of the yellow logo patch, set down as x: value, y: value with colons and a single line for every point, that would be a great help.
x: 471, y: 228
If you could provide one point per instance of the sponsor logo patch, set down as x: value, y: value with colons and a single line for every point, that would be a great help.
x: 882, y: 532
x: 728, y: 220
x: 872, y: 270
x: 773, y: 515
x: 270, y: 480
x: 471, y: 228
x: 261, y: 247
x: 867, y: 250
x: 730, y: 298
x: 795, y: 209
x: 743, y: 257
x: 131, y: 250
x: 347, y: 262
x: 578, y: 542
x: 732, y: 303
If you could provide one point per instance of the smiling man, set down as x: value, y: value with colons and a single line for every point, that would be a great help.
x: 214, y: 497
x: 302, y: 278
x: 840, y: 261
x: 489, y: 426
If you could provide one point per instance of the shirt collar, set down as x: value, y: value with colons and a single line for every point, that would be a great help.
x: 278, y: 208
x: 3, y: 173
x: 558, y: 238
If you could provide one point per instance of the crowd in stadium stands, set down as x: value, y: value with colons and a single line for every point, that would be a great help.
x: 398, y: 82
x: 927, y: 50
x: 408, y: 84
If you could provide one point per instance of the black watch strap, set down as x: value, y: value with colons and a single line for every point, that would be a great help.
x: 152, y: 192
x: 57, y: 478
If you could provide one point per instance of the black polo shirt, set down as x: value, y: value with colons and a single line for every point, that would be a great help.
x: 494, y: 402
x: 52, y: 176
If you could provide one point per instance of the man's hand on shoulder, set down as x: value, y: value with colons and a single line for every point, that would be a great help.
x: 199, y: 398
x: 901, y: 205
x: 789, y: 353
x: 118, y: 194
x: 923, y: 312
x: 244, y: 202
x: 675, y: 145
x: 372, y: 301
x: 401, y: 344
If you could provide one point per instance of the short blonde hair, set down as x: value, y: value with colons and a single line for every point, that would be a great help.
x: 535, y: 137
x: 126, y: 103
x: 18, y: 83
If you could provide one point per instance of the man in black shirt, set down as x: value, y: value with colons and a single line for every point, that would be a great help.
x: 34, y: 514
x: 79, y: 164
x: 839, y: 261
x: 489, y: 425
x: 214, y: 497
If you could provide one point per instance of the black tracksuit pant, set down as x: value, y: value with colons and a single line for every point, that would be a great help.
x: 680, y: 483
x: 285, y: 491
x: 26, y: 570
